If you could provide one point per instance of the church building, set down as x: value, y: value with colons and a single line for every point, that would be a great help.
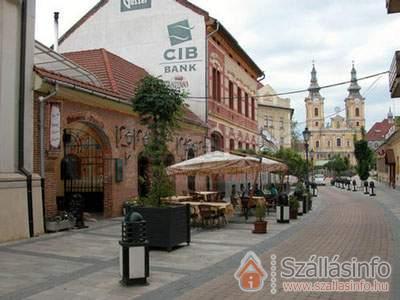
x: 337, y: 136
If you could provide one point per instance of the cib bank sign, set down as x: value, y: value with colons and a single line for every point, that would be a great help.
x: 127, y: 5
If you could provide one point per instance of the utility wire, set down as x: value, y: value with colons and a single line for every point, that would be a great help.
x: 291, y: 92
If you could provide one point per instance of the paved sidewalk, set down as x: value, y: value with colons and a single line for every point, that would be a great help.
x: 84, y: 264
x: 351, y: 225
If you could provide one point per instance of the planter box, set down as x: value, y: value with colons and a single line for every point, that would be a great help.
x: 167, y: 227
x: 293, y: 213
x: 54, y: 226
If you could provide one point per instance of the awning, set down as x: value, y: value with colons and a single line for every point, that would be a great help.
x: 390, y: 158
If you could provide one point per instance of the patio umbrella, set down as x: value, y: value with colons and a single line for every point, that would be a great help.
x: 272, y: 166
x: 215, y: 163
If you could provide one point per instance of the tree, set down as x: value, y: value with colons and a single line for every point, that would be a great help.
x: 160, y: 108
x: 338, y: 165
x: 296, y: 164
x: 295, y: 135
x: 364, y: 157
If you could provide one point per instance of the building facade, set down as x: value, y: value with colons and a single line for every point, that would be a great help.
x: 380, y: 131
x: 336, y: 137
x: 274, y: 117
x: 181, y: 43
x: 93, y: 140
x: 20, y: 192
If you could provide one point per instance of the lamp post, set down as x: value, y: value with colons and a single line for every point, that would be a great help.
x: 312, y: 154
x: 306, y: 137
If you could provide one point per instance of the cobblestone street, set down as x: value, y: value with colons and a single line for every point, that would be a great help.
x: 84, y: 264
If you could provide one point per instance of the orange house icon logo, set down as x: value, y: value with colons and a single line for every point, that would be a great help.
x: 251, y: 274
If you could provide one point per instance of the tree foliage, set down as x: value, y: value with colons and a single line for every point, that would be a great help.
x: 296, y: 163
x: 160, y: 107
x: 338, y: 165
x: 364, y: 157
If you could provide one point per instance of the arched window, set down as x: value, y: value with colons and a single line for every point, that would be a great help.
x: 231, y: 144
x: 316, y: 112
x: 317, y: 144
x: 357, y: 112
x: 217, y: 142
x: 240, y: 145
x: 338, y: 142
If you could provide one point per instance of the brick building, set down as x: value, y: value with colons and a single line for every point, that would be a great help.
x: 183, y: 44
x: 89, y: 123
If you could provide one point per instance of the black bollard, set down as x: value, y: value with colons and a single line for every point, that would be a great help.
x: 366, y: 187
x: 372, y: 188
x: 348, y: 185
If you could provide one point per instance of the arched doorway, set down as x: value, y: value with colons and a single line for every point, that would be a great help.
x: 82, y: 167
x: 217, y: 141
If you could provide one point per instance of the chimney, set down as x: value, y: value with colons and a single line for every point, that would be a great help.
x: 56, y: 14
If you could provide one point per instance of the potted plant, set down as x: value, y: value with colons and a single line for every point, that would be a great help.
x: 160, y: 107
x: 294, y: 207
x: 260, y: 225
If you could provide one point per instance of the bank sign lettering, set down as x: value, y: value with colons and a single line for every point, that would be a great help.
x: 127, y: 5
x: 180, y: 59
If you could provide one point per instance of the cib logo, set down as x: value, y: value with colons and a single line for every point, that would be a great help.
x: 180, y: 32
x: 127, y: 5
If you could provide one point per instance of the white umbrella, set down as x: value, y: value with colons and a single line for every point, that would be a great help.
x: 215, y: 163
x: 272, y: 166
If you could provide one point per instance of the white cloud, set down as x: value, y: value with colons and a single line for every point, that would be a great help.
x: 284, y: 36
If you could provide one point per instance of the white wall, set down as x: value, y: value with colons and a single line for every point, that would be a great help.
x: 141, y: 37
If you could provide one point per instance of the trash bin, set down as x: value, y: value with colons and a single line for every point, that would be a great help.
x: 282, y: 209
x: 299, y: 196
x: 134, y: 250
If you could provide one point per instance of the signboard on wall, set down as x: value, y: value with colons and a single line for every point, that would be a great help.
x: 128, y: 5
x: 55, y: 126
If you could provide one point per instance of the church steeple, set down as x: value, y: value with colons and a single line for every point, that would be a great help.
x: 354, y: 88
x: 314, y: 86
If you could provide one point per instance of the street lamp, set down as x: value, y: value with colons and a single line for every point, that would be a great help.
x: 306, y: 137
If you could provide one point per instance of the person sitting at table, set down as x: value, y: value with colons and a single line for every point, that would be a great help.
x: 234, y: 196
x: 245, y: 201
x: 273, y: 192
x: 257, y: 191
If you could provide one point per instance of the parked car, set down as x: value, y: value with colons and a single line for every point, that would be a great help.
x: 319, y: 179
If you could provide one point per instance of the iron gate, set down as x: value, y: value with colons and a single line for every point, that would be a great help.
x: 85, y: 174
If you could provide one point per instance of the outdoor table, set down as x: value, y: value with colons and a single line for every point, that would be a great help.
x: 227, y: 208
x: 177, y: 198
x: 206, y: 195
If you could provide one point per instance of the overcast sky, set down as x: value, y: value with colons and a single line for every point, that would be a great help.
x: 284, y: 36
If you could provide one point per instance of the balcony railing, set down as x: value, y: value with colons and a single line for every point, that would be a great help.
x: 393, y: 6
x: 394, y: 76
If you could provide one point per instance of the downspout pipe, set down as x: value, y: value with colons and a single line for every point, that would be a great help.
x: 21, y: 115
x: 206, y: 68
x: 42, y: 103
x: 206, y: 71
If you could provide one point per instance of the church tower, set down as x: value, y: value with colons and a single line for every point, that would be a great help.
x: 314, y: 104
x: 355, y: 104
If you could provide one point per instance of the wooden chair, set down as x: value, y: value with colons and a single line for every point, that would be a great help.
x: 207, y: 215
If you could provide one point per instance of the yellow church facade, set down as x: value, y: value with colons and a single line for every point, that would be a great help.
x: 334, y: 136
